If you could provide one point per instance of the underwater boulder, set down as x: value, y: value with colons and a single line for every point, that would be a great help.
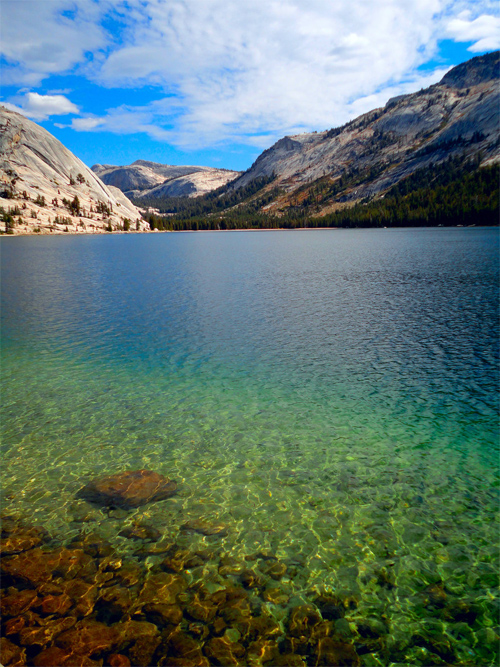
x: 21, y: 538
x: 63, y: 658
x: 10, y: 654
x: 35, y: 567
x: 90, y: 637
x: 330, y: 652
x: 16, y: 602
x: 222, y: 651
x: 128, y: 489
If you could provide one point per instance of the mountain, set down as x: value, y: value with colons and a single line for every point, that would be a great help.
x: 370, y: 154
x: 143, y: 179
x: 45, y: 188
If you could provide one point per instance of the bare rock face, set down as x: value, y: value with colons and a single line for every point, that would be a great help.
x: 143, y: 179
x: 141, y: 175
x: 49, y: 190
x: 129, y: 489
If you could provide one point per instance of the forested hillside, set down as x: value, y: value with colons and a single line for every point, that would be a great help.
x: 453, y: 192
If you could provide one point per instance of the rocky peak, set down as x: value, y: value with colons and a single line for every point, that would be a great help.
x: 481, y: 69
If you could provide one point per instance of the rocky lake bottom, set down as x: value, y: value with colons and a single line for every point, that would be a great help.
x: 251, y: 450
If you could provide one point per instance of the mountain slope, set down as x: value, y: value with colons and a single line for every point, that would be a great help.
x: 143, y: 179
x: 44, y: 187
x: 382, y: 147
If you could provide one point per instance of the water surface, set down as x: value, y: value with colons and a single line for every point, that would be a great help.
x: 330, y: 396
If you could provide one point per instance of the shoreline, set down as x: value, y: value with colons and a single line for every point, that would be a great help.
x: 217, y: 231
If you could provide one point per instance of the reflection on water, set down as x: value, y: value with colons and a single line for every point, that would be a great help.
x: 325, y: 402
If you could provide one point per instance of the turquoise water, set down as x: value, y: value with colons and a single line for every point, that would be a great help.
x: 330, y: 396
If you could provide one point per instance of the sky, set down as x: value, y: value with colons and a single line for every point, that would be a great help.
x: 215, y: 82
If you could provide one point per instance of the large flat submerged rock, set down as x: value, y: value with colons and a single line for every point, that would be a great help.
x: 128, y: 489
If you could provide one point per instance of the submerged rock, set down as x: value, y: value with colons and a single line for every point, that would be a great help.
x: 275, y: 570
x: 141, y: 653
x: 340, y: 654
x: 13, y: 625
x: 201, y: 610
x: 250, y: 579
x: 89, y: 638
x: 83, y: 594
x: 264, y: 627
x: 263, y: 652
x: 21, y: 539
x: 39, y: 636
x: 141, y: 532
x: 153, y: 548
x: 161, y: 588
x: 460, y: 611
x: 10, y: 654
x: 163, y: 614
x: 16, y: 602
x: 118, y: 660
x: 181, y: 645
x: 276, y: 596
x: 178, y: 560
x: 35, y: 567
x: 204, y: 527
x: 86, y: 606
x: 302, y: 620
x: 63, y: 658
x: 435, y: 596
x: 55, y: 604
x: 289, y: 660
x: 331, y: 608
x: 92, y: 544
x: 128, y: 489
x: 221, y: 651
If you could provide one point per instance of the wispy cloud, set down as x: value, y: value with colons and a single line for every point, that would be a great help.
x: 43, y: 38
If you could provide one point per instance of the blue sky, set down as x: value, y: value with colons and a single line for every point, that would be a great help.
x: 214, y: 82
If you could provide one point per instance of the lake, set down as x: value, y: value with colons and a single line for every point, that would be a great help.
x: 329, y: 397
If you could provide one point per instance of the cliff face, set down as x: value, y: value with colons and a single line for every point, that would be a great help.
x: 37, y: 173
x: 143, y: 179
x: 458, y: 114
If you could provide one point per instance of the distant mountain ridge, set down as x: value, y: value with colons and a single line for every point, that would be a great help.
x: 380, y: 148
x: 144, y: 178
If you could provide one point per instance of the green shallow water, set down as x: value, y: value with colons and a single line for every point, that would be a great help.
x: 329, y: 396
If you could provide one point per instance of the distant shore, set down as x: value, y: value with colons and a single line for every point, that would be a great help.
x: 216, y: 231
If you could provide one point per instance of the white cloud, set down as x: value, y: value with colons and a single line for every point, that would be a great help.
x: 276, y: 67
x: 41, y: 107
x: 247, y: 71
x: 484, y: 31
x: 85, y: 124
